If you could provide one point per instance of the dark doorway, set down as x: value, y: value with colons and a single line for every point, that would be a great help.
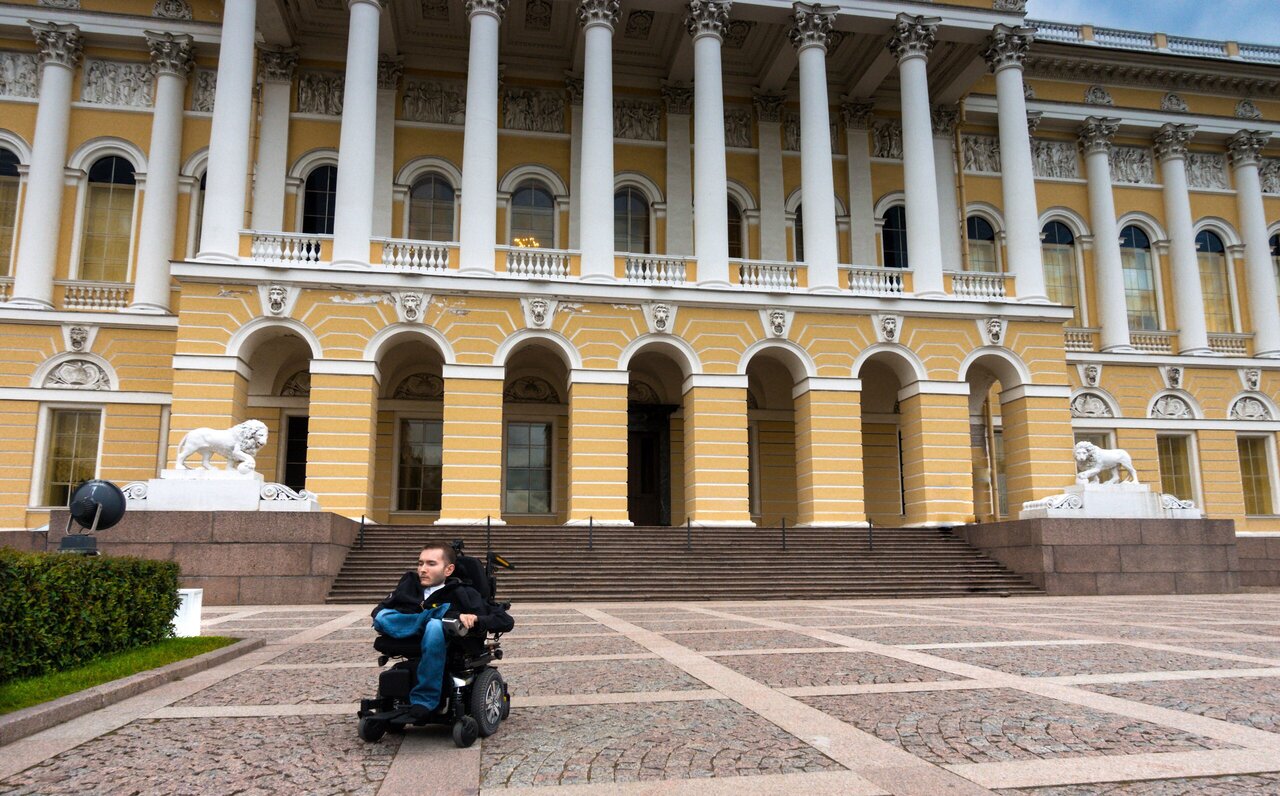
x: 295, y: 452
x: 649, y: 464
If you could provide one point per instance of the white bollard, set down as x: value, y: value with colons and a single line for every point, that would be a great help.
x: 186, y: 622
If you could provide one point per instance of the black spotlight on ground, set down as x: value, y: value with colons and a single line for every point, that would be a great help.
x: 95, y: 506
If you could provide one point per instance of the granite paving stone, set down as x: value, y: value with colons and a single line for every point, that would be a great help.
x: 586, y: 645
x: 315, y: 755
x: 1228, y: 785
x: 753, y: 640
x: 289, y: 687
x: 1137, y: 632
x: 1251, y: 701
x: 595, y: 677
x: 354, y: 633
x: 638, y: 742
x: 705, y: 623
x: 1258, y: 649
x: 799, y: 670
x: 1071, y: 659
x: 993, y: 725
x: 943, y: 634
x: 322, y: 652
x: 581, y: 628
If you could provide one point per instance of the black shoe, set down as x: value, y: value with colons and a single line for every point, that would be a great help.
x: 419, y: 712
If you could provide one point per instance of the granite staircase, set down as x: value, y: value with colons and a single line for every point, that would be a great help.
x: 675, y: 563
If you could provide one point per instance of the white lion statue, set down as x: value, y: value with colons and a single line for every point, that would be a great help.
x: 237, y: 444
x: 1094, y: 460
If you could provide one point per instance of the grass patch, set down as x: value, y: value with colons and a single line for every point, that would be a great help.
x: 19, y: 694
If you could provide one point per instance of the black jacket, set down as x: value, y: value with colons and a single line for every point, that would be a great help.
x: 462, y: 599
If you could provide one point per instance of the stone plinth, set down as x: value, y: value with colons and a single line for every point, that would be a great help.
x: 1259, y: 560
x: 215, y: 490
x: 1115, y: 556
x: 1121, y: 500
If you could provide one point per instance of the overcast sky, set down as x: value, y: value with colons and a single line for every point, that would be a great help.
x: 1254, y: 21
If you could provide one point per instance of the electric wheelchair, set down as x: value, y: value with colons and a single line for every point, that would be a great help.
x: 474, y: 698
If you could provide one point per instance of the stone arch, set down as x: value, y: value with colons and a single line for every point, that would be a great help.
x: 1263, y: 398
x: 742, y: 195
x: 1220, y: 226
x: 535, y: 171
x: 791, y: 355
x: 1197, y: 413
x: 311, y: 160
x: 553, y: 340
x: 1113, y: 406
x: 676, y: 347
x: 1007, y: 366
x: 16, y: 144
x: 249, y: 336
x: 196, y: 164
x: 987, y: 212
x: 418, y: 167
x: 1144, y: 221
x: 902, y: 360
x: 51, y: 364
x: 887, y: 201
x: 1075, y: 222
x: 107, y: 146
x: 634, y: 179
x: 397, y: 333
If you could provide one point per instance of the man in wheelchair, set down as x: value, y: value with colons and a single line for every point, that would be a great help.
x: 444, y: 622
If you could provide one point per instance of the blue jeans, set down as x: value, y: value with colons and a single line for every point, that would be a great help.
x: 431, y: 665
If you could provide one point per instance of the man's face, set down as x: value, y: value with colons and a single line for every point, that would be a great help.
x: 432, y: 567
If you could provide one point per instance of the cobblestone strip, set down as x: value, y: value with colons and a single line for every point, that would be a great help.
x: 823, y: 783
x: 1147, y: 677
x: 880, y: 764
x: 883, y: 688
x: 243, y: 711
x: 423, y: 767
x: 554, y: 700
x: 1085, y: 770
x: 234, y: 616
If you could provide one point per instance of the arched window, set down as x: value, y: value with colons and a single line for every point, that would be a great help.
x: 319, y: 201
x: 1213, y: 282
x: 1275, y: 260
x: 1139, y: 279
x: 431, y: 209
x: 736, y: 246
x: 533, y: 216
x: 895, y: 237
x: 799, y: 233
x: 108, y: 225
x: 8, y: 207
x: 630, y: 221
x: 199, y: 200
x: 1058, y: 250
x: 982, y: 245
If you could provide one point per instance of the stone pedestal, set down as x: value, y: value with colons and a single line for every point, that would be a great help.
x: 215, y: 490
x: 1121, y: 500
x: 186, y: 622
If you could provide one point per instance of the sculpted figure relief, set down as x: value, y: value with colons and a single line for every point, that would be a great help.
x: 981, y: 153
x: 202, y: 92
x: 117, y: 83
x: 886, y: 140
x: 17, y: 74
x: 1269, y: 174
x: 320, y: 93
x: 661, y: 317
x: 737, y: 127
x: 1094, y: 460
x: 434, y: 101
x: 237, y: 445
x: 1131, y: 164
x: 636, y: 119
x: 1055, y: 159
x: 1089, y: 405
x: 530, y: 109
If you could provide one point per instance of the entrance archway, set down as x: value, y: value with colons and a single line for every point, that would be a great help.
x: 655, y: 438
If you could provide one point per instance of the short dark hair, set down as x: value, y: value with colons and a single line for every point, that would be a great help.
x: 450, y: 557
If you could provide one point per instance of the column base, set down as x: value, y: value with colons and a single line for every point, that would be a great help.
x: 1267, y: 355
x: 216, y: 257
x: 719, y: 524
x: 938, y: 524
x: 469, y: 521
x: 21, y: 303
x: 476, y: 272
x: 599, y: 279
x: 826, y: 290
x: 146, y: 309
x: 715, y: 283
x: 359, y: 265
x: 832, y: 525
x: 601, y: 523
x: 933, y: 294
x: 1119, y: 349
x: 1034, y: 300
x: 1199, y: 352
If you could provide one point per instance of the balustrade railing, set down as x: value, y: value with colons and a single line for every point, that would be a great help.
x: 649, y: 269
x: 6, y: 287
x: 536, y: 263
x: 1262, y: 53
x: 765, y: 275
x: 979, y: 285
x: 418, y: 256
x: 1183, y: 45
x: 871, y: 281
x: 287, y: 248
x: 1057, y: 31
x: 95, y: 295
x: 1230, y: 344
x: 1077, y: 339
x: 1153, y: 342
x: 1124, y: 39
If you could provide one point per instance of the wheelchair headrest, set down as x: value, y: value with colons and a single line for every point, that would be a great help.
x: 471, y: 571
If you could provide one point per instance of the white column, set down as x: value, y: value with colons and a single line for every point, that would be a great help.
x: 59, y: 52
x: 1188, y: 298
x: 1245, y: 148
x: 275, y: 73
x: 1006, y: 49
x: 357, y: 144
x: 773, y: 199
x: 944, y: 166
x: 1113, y: 315
x: 862, y: 222
x: 913, y: 38
x: 810, y: 26
x: 706, y: 22
x: 573, y: 91
x: 598, y: 18
x: 390, y: 70
x: 172, y: 57
x: 229, y: 135
x: 478, y: 226
x: 679, y: 104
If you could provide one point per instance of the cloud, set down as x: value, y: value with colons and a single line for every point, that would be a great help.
x: 1254, y: 21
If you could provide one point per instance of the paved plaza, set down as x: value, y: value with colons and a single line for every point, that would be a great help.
x: 1149, y: 696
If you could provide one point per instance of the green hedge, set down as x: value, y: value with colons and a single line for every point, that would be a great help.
x: 59, y: 610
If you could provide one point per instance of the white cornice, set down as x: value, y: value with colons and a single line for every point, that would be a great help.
x: 52, y: 395
x: 1143, y: 120
x: 1153, y: 69
x: 1151, y: 360
x: 101, y: 27
x: 115, y: 320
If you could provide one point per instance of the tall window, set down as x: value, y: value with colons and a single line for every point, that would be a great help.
x: 1058, y: 250
x: 73, y: 452
x: 1175, y: 465
x: 735, y: 230
x: 528, y: 468
x: 533, y: 216
x: 8, y: 207
x: 295, y: 451
x: 1255, y: 474
x: 982, y: 245
x: 1275, y: 260
x: 798, y: 233
x: 319, y: 201
x: 199, y: 200
x: 630, y: 221
x: 895, y: 237
x: 1213, y: 282
x: 421, y: 465
x: 431, y: 209
x: 1139, y: 279
x: 108, y: 217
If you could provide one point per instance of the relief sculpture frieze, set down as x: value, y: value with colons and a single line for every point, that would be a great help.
x: 117, y: 83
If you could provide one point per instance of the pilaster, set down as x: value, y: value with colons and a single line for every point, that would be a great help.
x: 715, y: 455
x: 598, y: 454
x: 857, y: 116
x: 773, y: 221
x: 472, y: 456
x: 829, y: 479
x: 276, y: 69
x: 679, y: 105
x: 343, y: 420
x: 1037, y: 436
x: 936, y: 471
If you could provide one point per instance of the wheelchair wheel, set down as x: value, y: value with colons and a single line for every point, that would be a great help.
x: 465, y: 732
x: 372, y: 730
x: 506, y: 699
x: 488, y: 696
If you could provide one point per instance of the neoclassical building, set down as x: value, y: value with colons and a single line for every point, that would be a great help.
x: 637, y: 262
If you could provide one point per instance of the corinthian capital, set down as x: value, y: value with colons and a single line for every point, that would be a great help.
x: 913, y: 37
x: 811, y: 25
x: 390, y: 71
x: 598, y: 12
x: 1171, y: 140
x: 494, y: 8
x: 59, y: 44
x: 857, y: 114
x: 1245, y: 147
x: 171, y: 53
x: 768, y: 107
x: 707, y: 18
x: 1096, y: 133
x: 677, y: 98
x: 573, y: 88
x: 1007, y: 46
x: 277, y: 65
x: 945, y: 118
